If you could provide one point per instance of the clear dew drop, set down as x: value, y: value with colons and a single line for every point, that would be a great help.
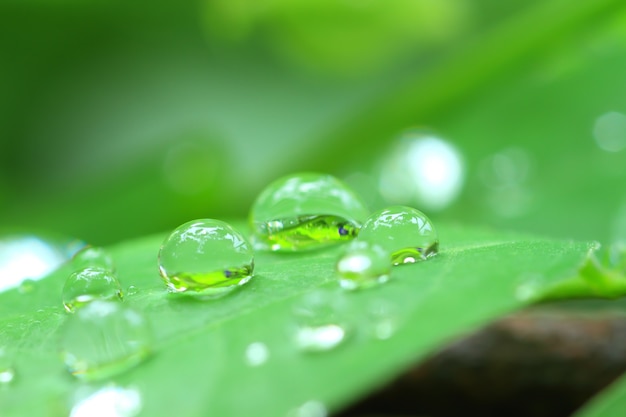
x: 320, y: 322
x: 364, y: 264
x: 310, y: 408
x: 207, y: 257
x: 132, y: 290
x: 7, y: 372
x: 383, y: 319
x: 104, y: 339
x: 27, y: 286
x: 89, y: 284
x: 110, y: 401
x: 304, y: 211
x: 94, y: 257
x: 257, y: 354
x: 31, y: 257
x: 406, y: 233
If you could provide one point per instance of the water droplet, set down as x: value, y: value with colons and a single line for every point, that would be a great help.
x: 422, y: 169
x: 609, y: 131
x: 27, y: 286
x: 305, y: 211
x: 404, y: 232
x: 90, y: 284
x: 91, y: 256
x: 529, y: 288
x: 506, y: 175
x: 205, y: 256
x: 104, y: 339
x: 309, y: 409
x: 257, y: 354
x: 110, y: 401
x: 7, y: 372
x: 382, y: 319
x: 363, y: 265
x: 320, y: 322
x: 32, y: 257
x: 132, y: 290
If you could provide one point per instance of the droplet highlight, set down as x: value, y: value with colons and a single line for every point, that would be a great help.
x: 90, y: 284
x: 205, y: 256
x: 404, y: 232
x: 363, y: 265
x: 304, y: 211
x: 104, y: 339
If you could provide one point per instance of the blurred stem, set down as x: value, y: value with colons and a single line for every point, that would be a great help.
x: 457, y: 74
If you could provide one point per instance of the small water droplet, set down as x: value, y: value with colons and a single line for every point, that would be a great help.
x: 32, y: 257
x: 104, y: 339
x: 382, y: 319
x: 404, y: 232
x: 110, y: 401
x: 93, y: 257
x: 422, y: 169
x: 90, y: 284
x: 27, y: 286
x: 7, y: 372
x: 310, y: 408
x: 132, y: 290
x: 320, y: 321
x: 363, y: 265
x: 305, y: 211
x: 257, y: 354
x: 207, y: 257
x: 529, y: 288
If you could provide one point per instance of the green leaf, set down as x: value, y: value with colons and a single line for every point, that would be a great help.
x: 611, y: 402
x: 199, y: 368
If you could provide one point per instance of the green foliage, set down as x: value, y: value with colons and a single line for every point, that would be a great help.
x: 199, y: 367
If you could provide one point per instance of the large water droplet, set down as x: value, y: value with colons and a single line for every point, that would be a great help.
x: 104, y: 339
x: 403, y: 231
x: 110, y: 401
x: 90, y: 284
x: 90, y: 257
x: 32, y: 257
x: 363, y: 265
x: 205, y: 256
x: 422, y: 169
x: 320, y: 322
x: 304, y: 211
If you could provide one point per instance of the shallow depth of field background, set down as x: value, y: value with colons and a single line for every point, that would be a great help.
x: 119, y: 119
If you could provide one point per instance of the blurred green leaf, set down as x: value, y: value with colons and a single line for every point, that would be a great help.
x: 609, y: 403
x: 199, y: 365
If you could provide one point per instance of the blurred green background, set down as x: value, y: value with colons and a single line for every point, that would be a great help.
x: 119, y: 119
